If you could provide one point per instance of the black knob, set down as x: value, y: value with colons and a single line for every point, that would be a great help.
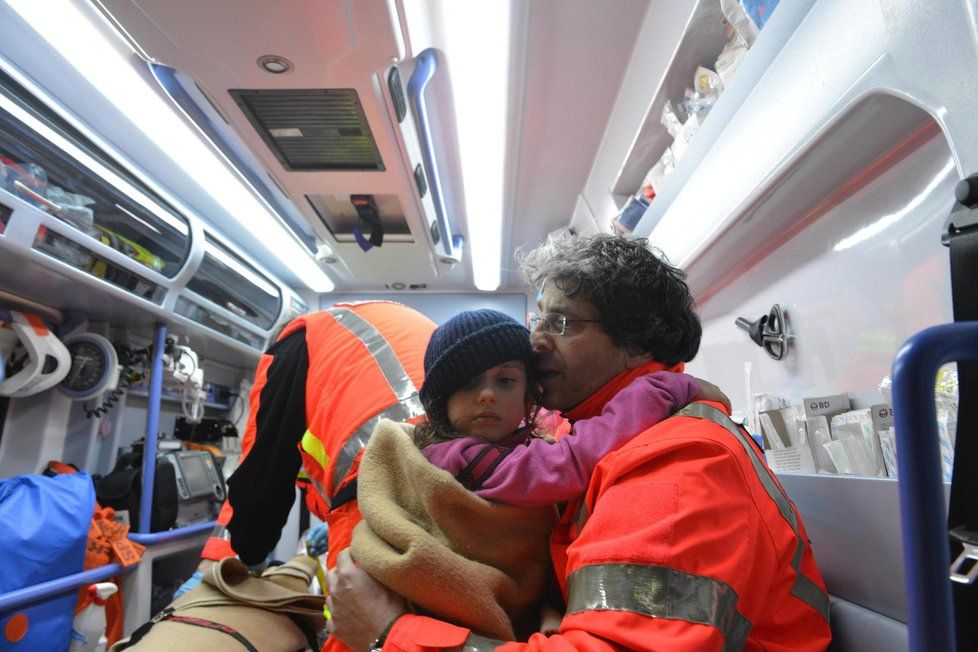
x: 966, y: 192
x: 754, y: 329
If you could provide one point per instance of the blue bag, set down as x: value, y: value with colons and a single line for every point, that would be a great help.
x: 43, y: 532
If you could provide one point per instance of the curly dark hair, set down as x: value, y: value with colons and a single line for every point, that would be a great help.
x: 436, y: 428
x: 642, y: 300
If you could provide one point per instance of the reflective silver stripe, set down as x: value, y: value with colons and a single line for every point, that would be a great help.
x: 320, y: 489
x: 580, y: 518
x: 660, y: 592
x: 406, y: 409
x: 220, y: 532
x: 380, y: 349
x: 408, y: 406
x: 476, y: 643
x: 804, y: 589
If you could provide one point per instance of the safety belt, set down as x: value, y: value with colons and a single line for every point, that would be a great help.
x: 961, y: 235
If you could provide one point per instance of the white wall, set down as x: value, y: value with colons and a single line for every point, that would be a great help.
x: 851, y: 302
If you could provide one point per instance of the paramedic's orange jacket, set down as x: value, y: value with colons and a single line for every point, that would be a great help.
x: 318, y: 392
x: 683, y: 541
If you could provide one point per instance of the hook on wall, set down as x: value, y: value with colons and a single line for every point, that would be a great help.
x: 769, y: 332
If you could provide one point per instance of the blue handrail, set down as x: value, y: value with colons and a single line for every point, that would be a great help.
x: 425, y: 67
x: 53, y: 588
x: 152, y: 430
x: 172, y: 535
x: 926, y: 558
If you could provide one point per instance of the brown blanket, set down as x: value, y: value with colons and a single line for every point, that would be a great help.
x: 274, y: 612
x: 480, y: 564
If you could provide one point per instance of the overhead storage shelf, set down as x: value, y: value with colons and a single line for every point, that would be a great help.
x: 803, y: 123
x: 676, y: 38
x: 80, y: 231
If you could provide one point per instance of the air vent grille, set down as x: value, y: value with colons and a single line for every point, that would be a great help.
x: 312, y: 129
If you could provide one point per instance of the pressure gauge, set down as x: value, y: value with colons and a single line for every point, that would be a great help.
x: 94, y: 367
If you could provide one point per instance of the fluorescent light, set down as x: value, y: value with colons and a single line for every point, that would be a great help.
x: 99, y: 60
x: 476, y: 47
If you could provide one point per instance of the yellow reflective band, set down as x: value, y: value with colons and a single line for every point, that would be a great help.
x: 314, y: 447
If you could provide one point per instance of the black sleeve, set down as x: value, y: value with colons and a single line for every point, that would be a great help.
x: 262, y: 489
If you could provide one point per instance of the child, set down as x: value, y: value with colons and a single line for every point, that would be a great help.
x: 479, y: 396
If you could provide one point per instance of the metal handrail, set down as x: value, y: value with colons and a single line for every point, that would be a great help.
x: 926, y: 556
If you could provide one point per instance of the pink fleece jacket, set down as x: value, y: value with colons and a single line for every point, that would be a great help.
x: 537, y: 473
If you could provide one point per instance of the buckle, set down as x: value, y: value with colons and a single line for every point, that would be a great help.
x: 961, y: 572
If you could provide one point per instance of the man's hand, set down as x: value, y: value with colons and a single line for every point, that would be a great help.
x: 710, y: 392
x: 361, y: 606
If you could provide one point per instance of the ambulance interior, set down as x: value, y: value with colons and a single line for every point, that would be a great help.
x: 181, y: 179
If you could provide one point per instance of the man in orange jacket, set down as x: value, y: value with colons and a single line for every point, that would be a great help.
x: 684, y: 540
x: 318, y: 392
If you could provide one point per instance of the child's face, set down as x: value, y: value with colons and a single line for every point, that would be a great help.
x: 492, y: 406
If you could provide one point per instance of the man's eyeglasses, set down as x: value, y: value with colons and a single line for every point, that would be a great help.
x: 554, y: 323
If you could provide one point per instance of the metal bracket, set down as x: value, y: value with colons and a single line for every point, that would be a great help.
x: 964, y: 214
x: 969, y: 554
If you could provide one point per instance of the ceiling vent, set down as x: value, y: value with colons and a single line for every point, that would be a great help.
x: 312, y: 129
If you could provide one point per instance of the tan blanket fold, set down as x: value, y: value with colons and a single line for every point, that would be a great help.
x: 262, y: 609
x: 480, y: 564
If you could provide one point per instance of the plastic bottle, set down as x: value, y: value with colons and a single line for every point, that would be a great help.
x: 88, y: 629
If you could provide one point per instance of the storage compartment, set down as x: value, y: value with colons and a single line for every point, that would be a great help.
x: 714, y: 41
x: 701, y: 43
x: 216, y: 322
x: 695, y: 63
x: 46, y: 162
x: 65, y: 250
x: 228, y: 281
x: 338, y: 214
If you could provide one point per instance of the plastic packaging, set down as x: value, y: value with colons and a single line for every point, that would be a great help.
x: 630, y: 215
x: 670, y: 120
x: 858, y: 424
x: 685, y: 136
x: 88, y: 628
x: 704, y: 93
x: 840, y: 458
x: 730, y: 58
x: 794, y: 421
x: 656, y: 177
x: 738, y: 18
x: 888, y: 444
x: 707, y: 82
x: 819, y: 436
x: 74, y: 208
x: 759, y: 11
x: 26, y: 180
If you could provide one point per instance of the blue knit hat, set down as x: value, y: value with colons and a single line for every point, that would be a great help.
x: 464, y: 347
